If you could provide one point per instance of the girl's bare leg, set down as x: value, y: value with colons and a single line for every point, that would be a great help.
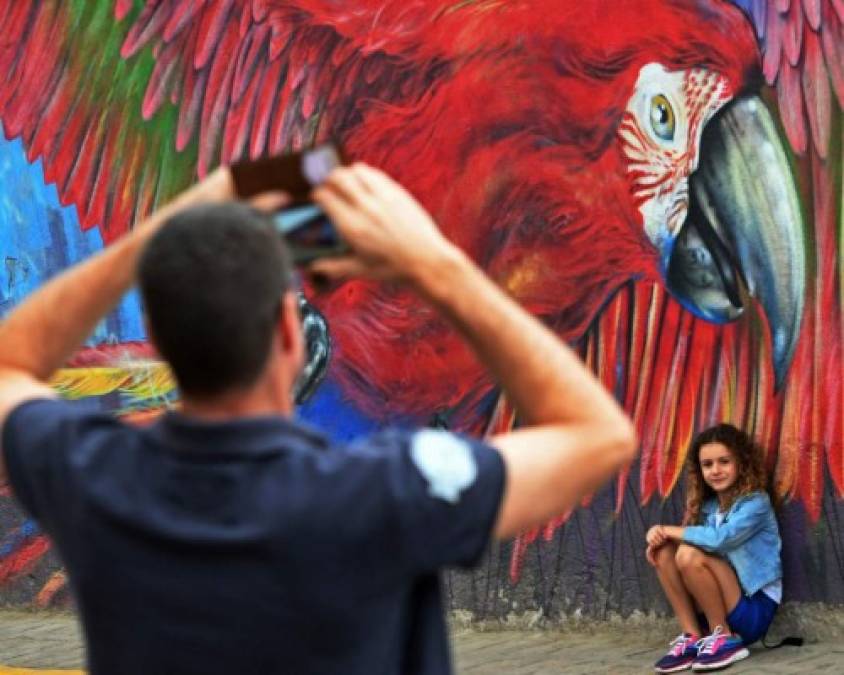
x: 675, y: 590
x: 711, y: 582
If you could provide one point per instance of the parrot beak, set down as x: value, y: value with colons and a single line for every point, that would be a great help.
x: 744, y: 235
x: 318, y: 344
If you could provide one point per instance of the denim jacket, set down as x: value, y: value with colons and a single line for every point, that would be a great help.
x: 748, y: 537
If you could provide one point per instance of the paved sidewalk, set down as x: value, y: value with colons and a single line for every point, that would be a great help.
x: 611, y: 653
x: 53, y: 641
x: 39, y: 640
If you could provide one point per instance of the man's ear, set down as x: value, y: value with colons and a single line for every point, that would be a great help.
x: 290, y: 326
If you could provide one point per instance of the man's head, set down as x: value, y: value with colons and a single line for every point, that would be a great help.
x: 213, y: 280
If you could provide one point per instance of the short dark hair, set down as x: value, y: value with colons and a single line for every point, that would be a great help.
x: 212, y: 279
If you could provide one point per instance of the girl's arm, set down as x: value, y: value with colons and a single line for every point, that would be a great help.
x: 752, y: 516
x: 673, y: 533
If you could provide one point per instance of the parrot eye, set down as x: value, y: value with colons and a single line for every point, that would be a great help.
x: 662, y: 118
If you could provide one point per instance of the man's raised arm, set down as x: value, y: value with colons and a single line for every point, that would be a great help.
x: 575, y: 437
x: 43, y: 332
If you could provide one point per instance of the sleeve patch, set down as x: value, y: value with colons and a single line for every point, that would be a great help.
x: 445, y: 461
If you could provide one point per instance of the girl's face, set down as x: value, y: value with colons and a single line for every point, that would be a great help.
x: 718, y: 466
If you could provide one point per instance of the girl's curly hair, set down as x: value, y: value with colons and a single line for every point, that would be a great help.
x: 749, y: 457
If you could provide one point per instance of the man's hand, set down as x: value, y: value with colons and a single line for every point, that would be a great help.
x: 391, y: 236
x: 41, y: 334
x: 215, y: 188
x: 573, y: 436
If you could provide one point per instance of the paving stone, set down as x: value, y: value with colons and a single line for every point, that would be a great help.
x: 50, y: 641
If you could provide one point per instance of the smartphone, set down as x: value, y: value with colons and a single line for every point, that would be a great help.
x: 306, y: 228
x: 309, y: 233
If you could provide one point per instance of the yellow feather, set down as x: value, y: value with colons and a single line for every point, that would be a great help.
x: 142, y: 380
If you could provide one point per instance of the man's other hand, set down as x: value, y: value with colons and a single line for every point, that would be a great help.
x: 390, y: 234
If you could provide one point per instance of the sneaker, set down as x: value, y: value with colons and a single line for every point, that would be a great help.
x: 719, y: 651
x: 681, y: 655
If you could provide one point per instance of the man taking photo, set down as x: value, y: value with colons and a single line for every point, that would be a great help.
x: 228, y: 537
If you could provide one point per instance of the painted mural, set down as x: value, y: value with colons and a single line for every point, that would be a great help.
x: 660, y: 181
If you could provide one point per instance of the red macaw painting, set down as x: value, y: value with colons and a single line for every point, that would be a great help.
x: 658, y: 180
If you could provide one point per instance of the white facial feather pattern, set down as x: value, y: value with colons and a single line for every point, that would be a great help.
x: 660, y: 139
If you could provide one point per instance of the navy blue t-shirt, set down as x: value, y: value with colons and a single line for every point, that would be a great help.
x: 253, y: 546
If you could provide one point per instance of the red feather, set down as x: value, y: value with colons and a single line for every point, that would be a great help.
x: 67, y: 146
x: 161, y: 80
x: 673, y: 406
x: 119, y: 206
x: 812, y: 11
x: 189, y: 112
x: 251, y: 50
x: 44, y: 140
x: 181, y: 15
x: 793, y: 34
x: 246, y: 22
x: 611, y: 353
x: 260, y: 8
x: 211, y: 28
x: 650, y: 306
x: 816, y: 94
x: 669, y: 329
x: 99, y: 199
x: 122, y: 8
x: 239, y: 122
x: 271, y: 81
x: 832, y: 39
x: 279, y: 40
x: 790, y: 98
x: 697, y: 365
x: 216, y: 98
x: 279, y: 115
x: 46, y: 36
x: 647, y: 303
x: 80, y: 182
x: 828, y: 327
x: 773, y: 47
x: 149, y: 24
x: 10, y: 55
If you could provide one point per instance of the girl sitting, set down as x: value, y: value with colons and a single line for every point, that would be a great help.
x: 726, y: 560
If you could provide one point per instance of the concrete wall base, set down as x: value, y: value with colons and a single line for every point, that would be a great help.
x: 814, y: 622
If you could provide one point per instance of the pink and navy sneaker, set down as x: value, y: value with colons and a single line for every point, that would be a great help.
x: 681, y: 655
x: 719, y: 651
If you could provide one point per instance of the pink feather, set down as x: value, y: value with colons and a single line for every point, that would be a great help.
x: 180, y: 16
x: 812, y: 12
x: 149, y: 24
x: 832, y: 40
x: 211, y: 25
x: 793, y: 34
x: 773, y: 47
x: 161, y: 79
x: 816, y: 94
x: 790, y: 98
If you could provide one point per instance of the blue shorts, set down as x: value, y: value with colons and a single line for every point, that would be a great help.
x: 750, y: 618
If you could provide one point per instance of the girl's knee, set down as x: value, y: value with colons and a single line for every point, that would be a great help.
x: 687, y: 556
x: 664, y: 555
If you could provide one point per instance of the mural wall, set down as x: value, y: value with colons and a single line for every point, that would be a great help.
x: 660, y: 182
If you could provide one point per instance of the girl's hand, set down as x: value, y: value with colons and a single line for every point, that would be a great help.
x: 656, y: 536
x: 650, y: 555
